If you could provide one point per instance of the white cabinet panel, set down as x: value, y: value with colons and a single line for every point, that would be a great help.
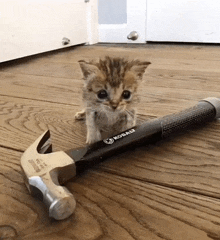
x: 35, y: 26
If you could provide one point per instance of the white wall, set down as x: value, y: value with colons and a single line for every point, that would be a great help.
x: 183, y: 21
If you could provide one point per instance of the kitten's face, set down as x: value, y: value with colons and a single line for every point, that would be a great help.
x: 111, y: 85
x: 114, y: 99
x: 111, y: 98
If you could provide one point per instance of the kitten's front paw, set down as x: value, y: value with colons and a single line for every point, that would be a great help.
x: 92, y: 138
x: 80, y: 115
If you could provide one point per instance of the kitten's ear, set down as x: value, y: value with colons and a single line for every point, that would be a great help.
x: 139, y: 68
x: 87, y: 68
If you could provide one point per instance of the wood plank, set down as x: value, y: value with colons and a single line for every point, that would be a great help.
x: 23, y: 120
x: 180, y: 79
x: 160, y: 51
x: 170, y: 58
x: 60, y: 75
x: 108, y: 207
x: 49, y: 89
x: 21, y: 85
x: 41, y: 67
x: 157, y: 92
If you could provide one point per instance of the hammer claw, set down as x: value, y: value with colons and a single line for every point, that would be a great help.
x: 46, y: 148
x: 44, y: 145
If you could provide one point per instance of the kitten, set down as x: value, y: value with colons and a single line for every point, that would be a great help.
x: 110, y: 94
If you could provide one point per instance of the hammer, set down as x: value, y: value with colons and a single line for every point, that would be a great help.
x: 45, y: 171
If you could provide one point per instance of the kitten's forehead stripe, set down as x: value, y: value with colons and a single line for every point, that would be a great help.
x: 114, y: 69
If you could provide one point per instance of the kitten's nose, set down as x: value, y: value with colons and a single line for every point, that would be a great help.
x: 114, y: 105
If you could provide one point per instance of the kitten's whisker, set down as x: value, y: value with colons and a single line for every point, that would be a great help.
x: 129, y: 113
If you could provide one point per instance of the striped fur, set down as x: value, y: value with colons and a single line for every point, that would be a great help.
x: 114, y: 75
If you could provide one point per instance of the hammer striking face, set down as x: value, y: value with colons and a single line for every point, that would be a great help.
x: 45, y: 171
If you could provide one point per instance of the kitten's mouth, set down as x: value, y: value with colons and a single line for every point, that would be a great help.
x: 116, y: 110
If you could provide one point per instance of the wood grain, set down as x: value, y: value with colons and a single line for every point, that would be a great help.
x: 27, y: 119
x: 166, y: 191
x: 108, y: 207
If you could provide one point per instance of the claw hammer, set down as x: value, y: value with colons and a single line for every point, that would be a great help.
x: 45, y: 171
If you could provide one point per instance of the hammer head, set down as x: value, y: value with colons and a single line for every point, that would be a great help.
x: 44, y: 172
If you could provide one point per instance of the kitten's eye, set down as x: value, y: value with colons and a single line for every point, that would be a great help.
x: 126, y: 94
x: 102, y: 94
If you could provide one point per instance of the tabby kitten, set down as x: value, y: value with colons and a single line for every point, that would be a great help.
x: 110, y: 94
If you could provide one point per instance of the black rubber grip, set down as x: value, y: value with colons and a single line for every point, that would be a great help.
x: 187, y: 119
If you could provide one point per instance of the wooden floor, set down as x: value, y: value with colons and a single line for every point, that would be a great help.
x: 167, y: 191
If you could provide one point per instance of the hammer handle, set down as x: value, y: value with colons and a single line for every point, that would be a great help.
x: 147, y: 133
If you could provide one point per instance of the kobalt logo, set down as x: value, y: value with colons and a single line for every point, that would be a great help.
x: 108, y: 140
x: 111, y: 140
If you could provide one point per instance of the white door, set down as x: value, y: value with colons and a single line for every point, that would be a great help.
x: 118, y: 18
x: 33, y: 26
x: 183, y: 21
